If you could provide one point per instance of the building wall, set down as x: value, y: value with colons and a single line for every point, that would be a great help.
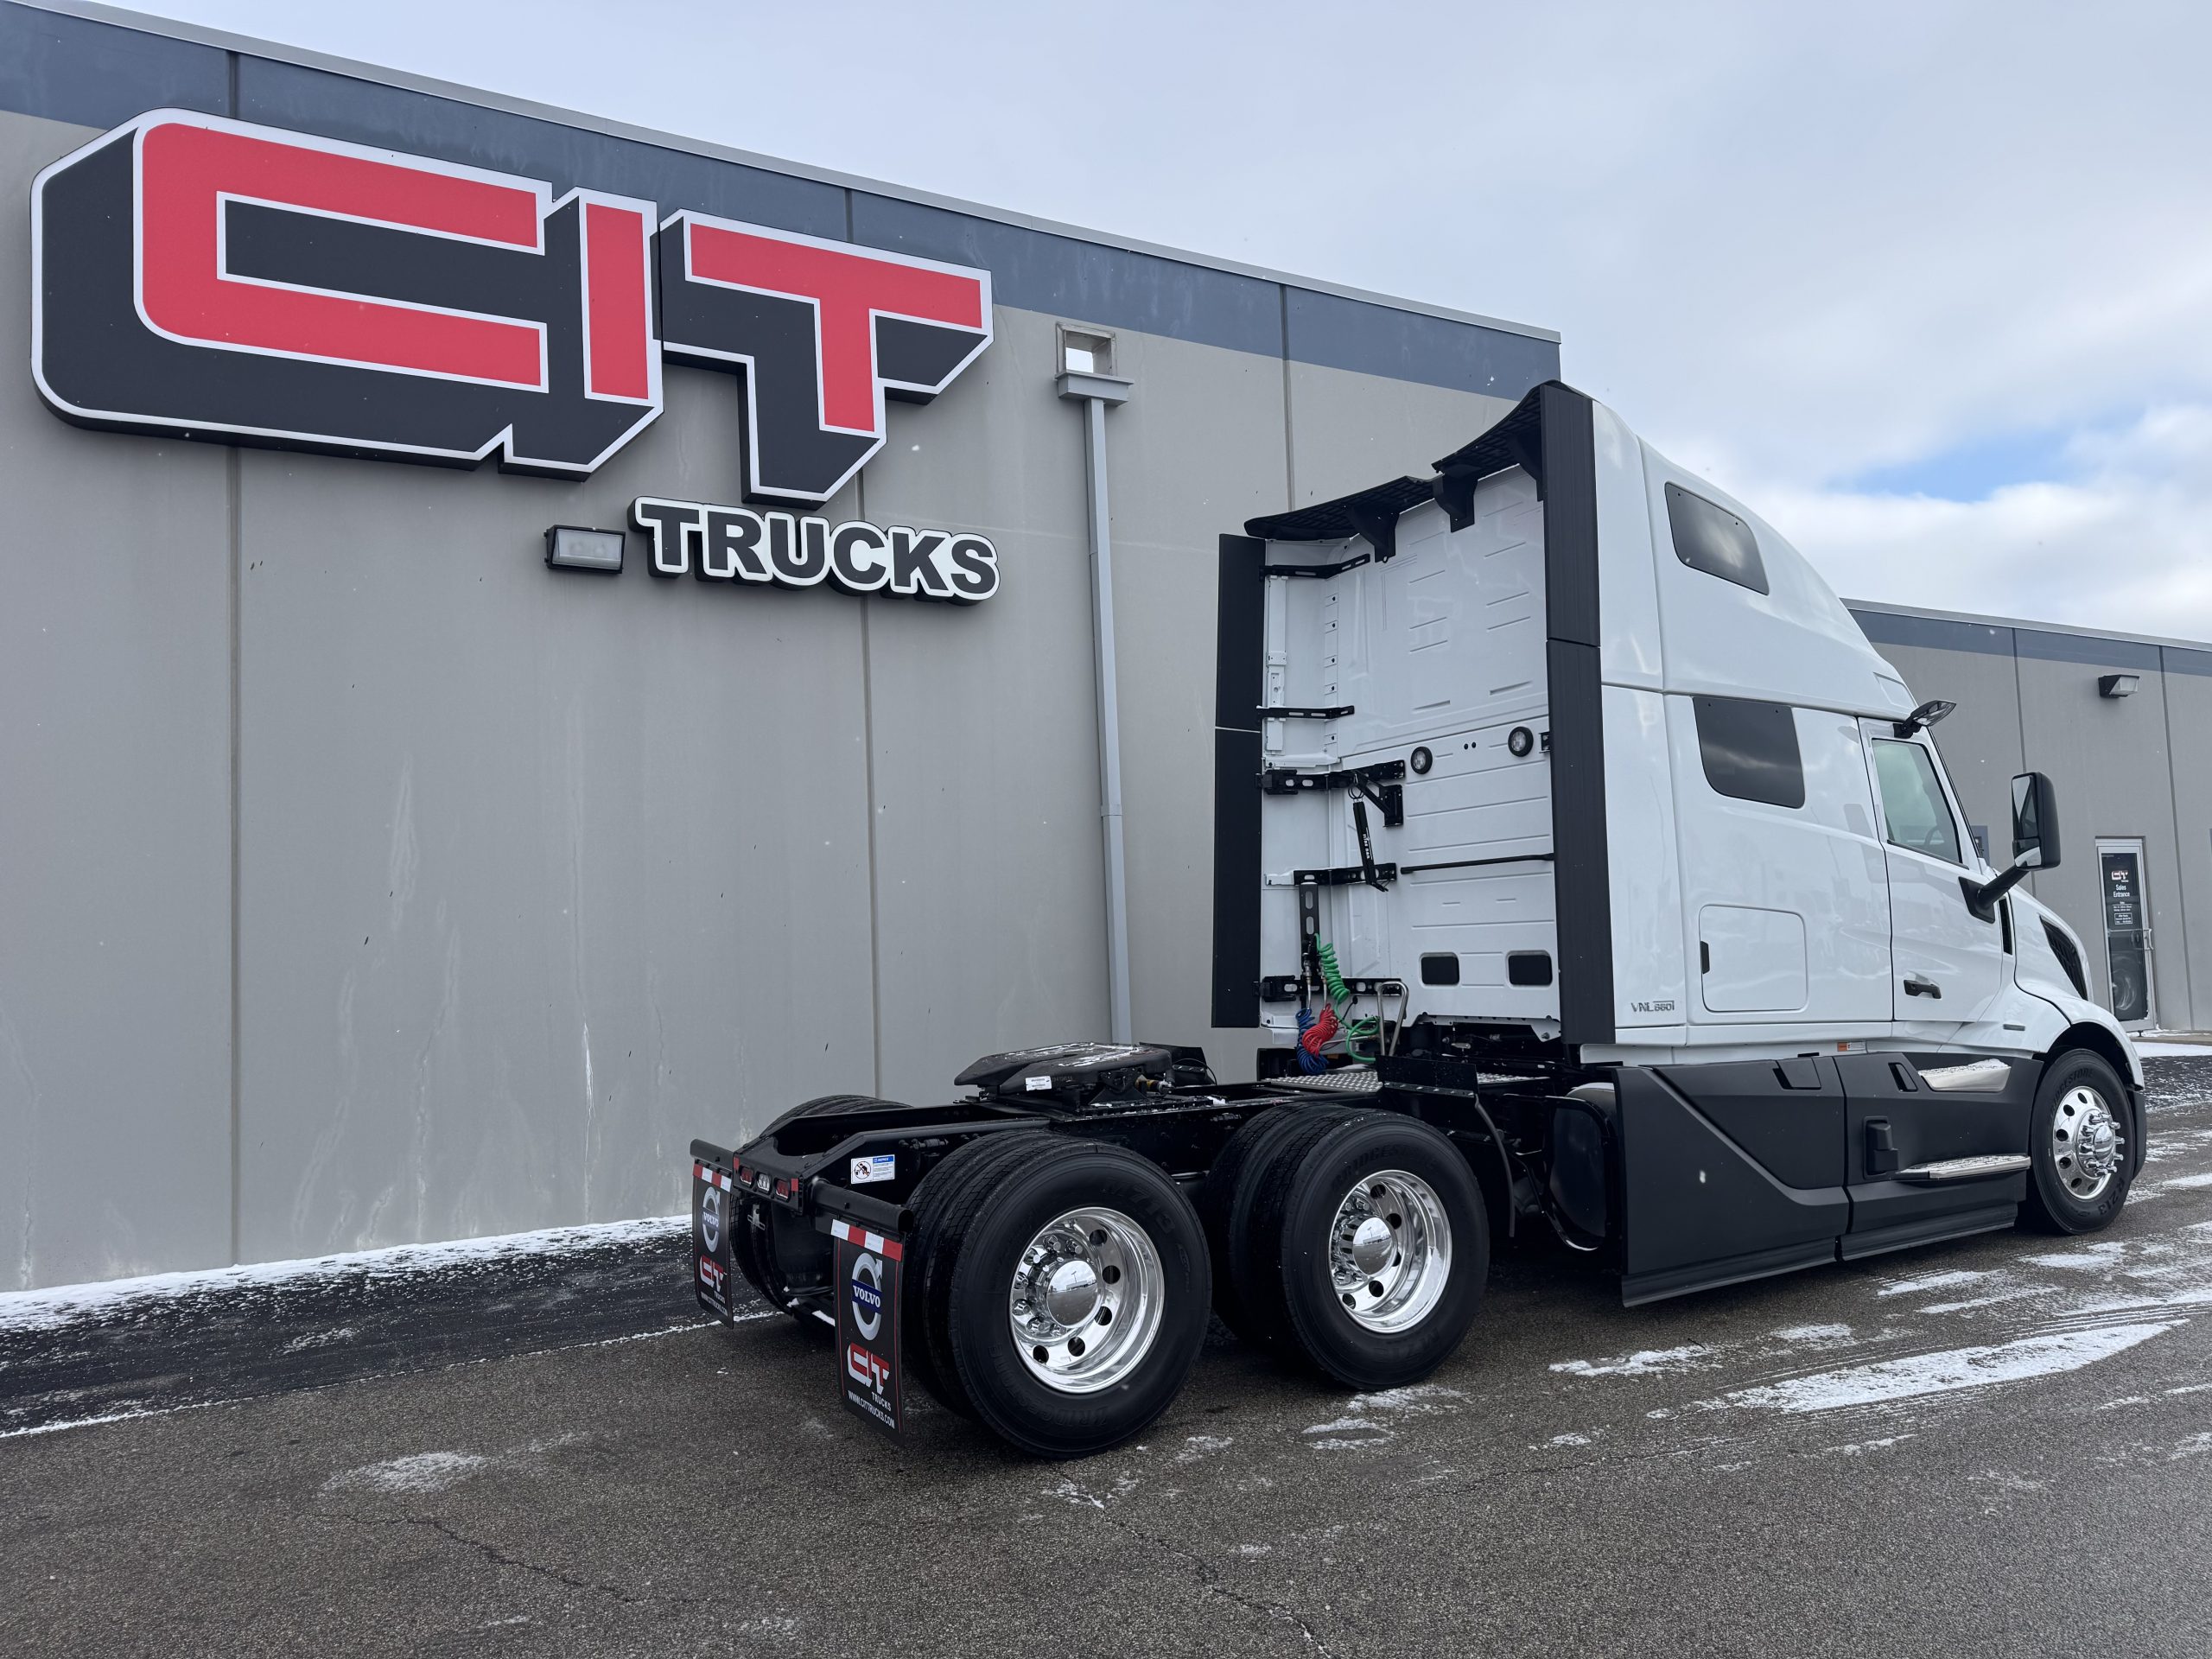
x: 371, y: 882
x: 2130, y: 767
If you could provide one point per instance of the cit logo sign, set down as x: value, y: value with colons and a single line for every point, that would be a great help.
x: 207, y: 277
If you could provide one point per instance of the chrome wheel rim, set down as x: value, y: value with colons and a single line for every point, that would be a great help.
x: 2085, y: 1142
x: 1086, y: 1300
x: 1389, y: 1251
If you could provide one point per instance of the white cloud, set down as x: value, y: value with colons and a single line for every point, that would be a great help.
x: 2126, y: 545
x: 1789, y: 243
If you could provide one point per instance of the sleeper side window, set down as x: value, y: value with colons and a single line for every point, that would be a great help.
x: 1913, y: 800
x: 1709, y: 538
x: 1750, y: 750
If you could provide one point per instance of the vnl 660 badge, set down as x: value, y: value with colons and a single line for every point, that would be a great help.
x: 867, y: 1322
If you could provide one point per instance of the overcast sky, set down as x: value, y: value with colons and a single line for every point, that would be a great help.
x: 1929, y: 285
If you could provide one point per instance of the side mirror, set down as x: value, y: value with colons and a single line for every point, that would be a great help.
x: 2035, y: 822
x: 2034, y: 843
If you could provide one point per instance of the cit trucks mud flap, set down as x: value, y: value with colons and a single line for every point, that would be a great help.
x: 726, y: 1199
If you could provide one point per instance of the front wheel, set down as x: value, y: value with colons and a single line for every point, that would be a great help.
x: 2078, y: 1140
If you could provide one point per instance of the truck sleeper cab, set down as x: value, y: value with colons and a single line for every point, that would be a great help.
x: 1581, y: 866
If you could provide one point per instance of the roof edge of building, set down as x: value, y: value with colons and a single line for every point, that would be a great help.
x: 1975, y: 618
x: 224, y: 40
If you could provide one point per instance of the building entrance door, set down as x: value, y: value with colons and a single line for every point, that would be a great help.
x: 2127, y: 929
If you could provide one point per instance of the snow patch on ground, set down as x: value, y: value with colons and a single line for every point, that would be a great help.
x: 1933, y: 1281
x: 2089, y: 1258
x: 1203, y: 1446
x: 1372, y: 1418
x: 35, y: 1310
x: 1916, y: 1375
x: 1815, y: 1333
x: 1860, y: 1448
x: 2018, y: 1293
x: 1645, y: 1363
x: 422, y: 1472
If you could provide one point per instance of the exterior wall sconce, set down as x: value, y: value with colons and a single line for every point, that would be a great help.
x: 571, y: 547
x: 2117, y: 685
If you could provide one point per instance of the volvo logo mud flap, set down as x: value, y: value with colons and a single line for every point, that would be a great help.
x: 867, y: 1322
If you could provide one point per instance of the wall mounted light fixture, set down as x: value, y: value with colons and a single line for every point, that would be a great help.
x: 572, y: 547
x: 2117, y: 685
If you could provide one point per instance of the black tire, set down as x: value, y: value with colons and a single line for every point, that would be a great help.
x: 985, y: 1232
x: 945, y: 1206
x: 1289, y: 1288
x: 752, y: 1223
x: 2053, y: 1204
x: 1225, y: 1201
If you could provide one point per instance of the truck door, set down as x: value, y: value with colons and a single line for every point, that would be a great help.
x: 1945, y: 963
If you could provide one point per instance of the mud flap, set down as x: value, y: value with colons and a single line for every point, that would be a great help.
x: 713, y: 1216
x: 868, y: 1268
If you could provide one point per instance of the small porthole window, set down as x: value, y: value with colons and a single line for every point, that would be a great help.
x: 1709, y: 538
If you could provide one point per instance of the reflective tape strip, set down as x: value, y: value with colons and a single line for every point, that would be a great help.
x: 890, y: 1249
x: 711, y: 1177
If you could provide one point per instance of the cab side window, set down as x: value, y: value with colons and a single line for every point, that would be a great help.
x: 1709, y: 538
x: 1912, y: 801
x: 1750, y: 750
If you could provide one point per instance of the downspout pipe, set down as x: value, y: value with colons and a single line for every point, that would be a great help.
x: 1097, y: 393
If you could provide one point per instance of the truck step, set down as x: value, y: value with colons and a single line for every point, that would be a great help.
x: 1967, y: 1169
x: 1351, y: 1080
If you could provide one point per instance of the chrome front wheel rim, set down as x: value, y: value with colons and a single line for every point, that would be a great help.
x: 1389, y: 1251
x: 2085, y: 1142
x: 1086, y: 1300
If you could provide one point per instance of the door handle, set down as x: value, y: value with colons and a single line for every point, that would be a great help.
x: 1921, y: 985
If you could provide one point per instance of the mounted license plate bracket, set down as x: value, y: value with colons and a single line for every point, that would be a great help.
x: 868, y: 1269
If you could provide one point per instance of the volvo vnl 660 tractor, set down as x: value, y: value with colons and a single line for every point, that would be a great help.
x: 1582, y: 868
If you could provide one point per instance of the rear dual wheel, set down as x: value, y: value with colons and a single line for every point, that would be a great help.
x: 763, y: 1239
x: 1357, y: 1242
x: 1058, y: 1290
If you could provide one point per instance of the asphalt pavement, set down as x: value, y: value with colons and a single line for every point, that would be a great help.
x: 2002, y: 1446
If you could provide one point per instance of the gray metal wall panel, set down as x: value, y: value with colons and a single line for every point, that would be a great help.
x: 69, y: 69
x: 1088, y: 281
x: 2053, y: 646
x: 1885, y: 629
x: 544, y: 874
x: 99, y: 75
x: 115, y: 1002
x: 990, y: 899
x: 1349, y: 431
x: 2109, y: 761
x: 416, y: 123
x: 1225, y: 408
x: 1980, y: 742
x: 1345, y: 334
x: 2189, y: 722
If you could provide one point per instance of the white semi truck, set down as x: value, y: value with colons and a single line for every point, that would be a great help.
x: 1585, y: 870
